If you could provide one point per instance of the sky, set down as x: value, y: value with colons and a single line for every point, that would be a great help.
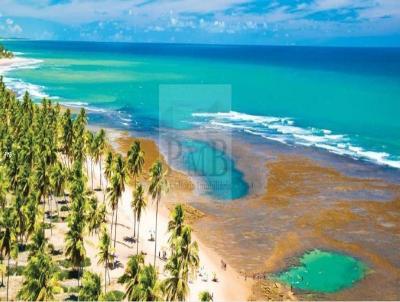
x: 269, y: 22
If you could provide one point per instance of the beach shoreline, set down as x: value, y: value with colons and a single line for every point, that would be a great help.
x: 265, y: 231
x: 231, y: 285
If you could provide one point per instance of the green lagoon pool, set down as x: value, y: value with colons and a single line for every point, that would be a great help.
x: 324, y: 272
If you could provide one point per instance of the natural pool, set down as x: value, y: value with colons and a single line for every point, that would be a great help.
x: 324, y: 272
x: 222, y: 180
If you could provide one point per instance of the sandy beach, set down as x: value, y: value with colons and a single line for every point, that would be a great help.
x: 230, y: 285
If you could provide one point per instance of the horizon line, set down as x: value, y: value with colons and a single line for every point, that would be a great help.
x: 204, y: 44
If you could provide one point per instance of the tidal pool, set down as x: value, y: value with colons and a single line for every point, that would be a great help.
x: 324, y: 272
x: 222, y: 180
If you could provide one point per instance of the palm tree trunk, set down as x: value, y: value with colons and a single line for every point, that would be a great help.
x: 134, y: 213
x: 87, y: 167
x: 2, y: 274
x: 155, y: 236
x: 79, y: 274
x: 112, y: 224
x: 44, y: 208
x: 134, y: 224
x: 137, y: 241
x: 105, y: 189
x: 51, y: 226
x: 105, y: 278
x: 115, y: 228
x: 101, y: 176
x: 56, y: 203
x: 91, y: 171
x: 8, y: 276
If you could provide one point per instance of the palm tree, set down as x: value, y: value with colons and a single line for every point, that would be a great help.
x: 148, y: 287
x: 96, y: 215
x: 8, y: 239
x: 40, y: 279
x: 113, y: 194
x: 38, y: 240
x: 205, y: 296
x: 79, y: 132
x: 135, y: 163
x: 3, y: 188
x: 131, y: 276
x: 109, y: 166
x: 20, y: 219
x: 139, y: 203
x: 67, y: 135
x: 32, y: 213
x: 42, y: 179
x: 58, y: 181
x: 91, y: 287
x: 89, y: 142
x: 175, y: 286
x: 100, y: 147
x: 184, y: 260
x: 188, y: 252
x: 74, y: 245
x: 118, y: 187
x: 158, y: 185
x: 176, y: 224
x: 105, y: 255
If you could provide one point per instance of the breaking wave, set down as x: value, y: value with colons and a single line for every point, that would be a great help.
x: 285, y: 130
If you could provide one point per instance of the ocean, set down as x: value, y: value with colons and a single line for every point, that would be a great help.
x: 342, y: 100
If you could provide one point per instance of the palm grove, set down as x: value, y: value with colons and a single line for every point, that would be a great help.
x: 4, y: 53
x: 47, y: 169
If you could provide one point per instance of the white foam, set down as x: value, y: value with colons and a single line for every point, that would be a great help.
x: 17, y: 85
x: 38, y: 92
x: 128, y: 120
x: 284, y: 130
x: 6, y: 65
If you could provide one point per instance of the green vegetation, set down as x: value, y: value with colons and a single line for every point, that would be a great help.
x: 205, y: 296
x: 91, y: 287
x: 105, y: 255
x: 4, y: 53
x: 47, y: 158
x: 184, y: 260
x: 40, y: 279
x: 158, y: 185
x: 138, y: 205
x: 114, y: 295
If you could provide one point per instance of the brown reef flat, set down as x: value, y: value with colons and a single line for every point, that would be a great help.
x: 302, y: 204
x: 178, y: 181
x: 307, y: 205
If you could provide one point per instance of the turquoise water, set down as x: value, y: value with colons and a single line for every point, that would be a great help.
x: 340, y: 100
x: 324, y: 272
x: 204, y: 159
